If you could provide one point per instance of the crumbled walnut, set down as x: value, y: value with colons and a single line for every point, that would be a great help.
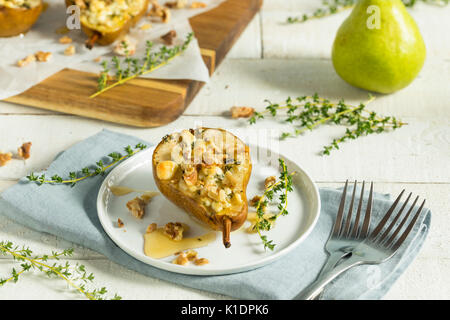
x: 174, y: 231
x: 125, y: 46
x: 65, y: 40
x: 26, y: 61
x: 146, y: 26
x: 151, y: 227
x: 201, y: 261
x: 191, y: 255
x: 190, y: 176
x: 181, y: 259
x: 98, y: 59
x: 168, y: 37
x: 165, y: 15
x: 254, y: 201
x: 70, y: 50
x: 198, y: 4
x: 5, y: 158
x: 269, y: 181
x: 178, y: 4
x: 241, y: 112
x: 137, y: 207
x: 156, y: 9
x: 24, y: 150
x: 42, y: 56
x: 120, y: 223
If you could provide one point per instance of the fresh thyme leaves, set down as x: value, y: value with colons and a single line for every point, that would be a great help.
x: 309, y: 112
x: 76, y: 276
x: 130, y: 68
x: 281, y: 188
x: 87, y: 172
x: 331, y: 7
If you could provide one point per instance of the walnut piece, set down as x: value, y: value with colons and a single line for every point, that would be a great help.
x: 120, y: 223
x: 198, y: 4
x: 191, y: 255
x: 190, y: 176
x: 23, y: 62
x: 42, y: 56
x: 158, y: 11
x: 125, y: 47
x: 254, y: 201
x: 168, y: 37
x: 270, y: 181
x: 241, y: 112
x: 5, y: 158
x: 165, y: 15
x: 174, y: 230
x: 65, y: 40
x: 70, y: 50
x: 151, y: 227
x: 181, y: 259
x: 24, y: 150
x: 201, y: 261
x: 178, y: 4
x: 137, y: 207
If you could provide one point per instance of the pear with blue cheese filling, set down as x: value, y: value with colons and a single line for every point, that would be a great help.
x: 205, y: 172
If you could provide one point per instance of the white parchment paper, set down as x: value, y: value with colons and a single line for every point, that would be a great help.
x: 43, y: 37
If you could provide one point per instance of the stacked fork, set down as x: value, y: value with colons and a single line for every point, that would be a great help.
x: 350, y: 245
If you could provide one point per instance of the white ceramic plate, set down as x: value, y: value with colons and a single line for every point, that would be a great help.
x: 246, y: 252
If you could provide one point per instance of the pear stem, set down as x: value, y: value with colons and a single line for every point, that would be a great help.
x: 226, y: 232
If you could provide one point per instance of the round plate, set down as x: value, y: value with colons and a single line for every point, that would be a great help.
x: 246, y: 252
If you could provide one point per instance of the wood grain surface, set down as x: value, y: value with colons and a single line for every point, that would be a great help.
x: 144, y: 102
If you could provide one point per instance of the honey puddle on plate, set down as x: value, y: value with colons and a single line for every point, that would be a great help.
x: 157, y: 245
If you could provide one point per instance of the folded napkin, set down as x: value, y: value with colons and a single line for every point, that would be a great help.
x: 70, y: 213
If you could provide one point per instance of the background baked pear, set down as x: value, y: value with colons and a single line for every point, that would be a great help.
x: 16, y: 19
x: 205, y: 172
x: 106, y: 21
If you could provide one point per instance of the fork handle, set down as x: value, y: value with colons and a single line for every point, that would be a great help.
x: 317, y: 286
x: 331, y: 262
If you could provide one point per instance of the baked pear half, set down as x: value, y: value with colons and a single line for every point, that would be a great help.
x: 205, y: 172
x: 105, y: 21
x: 18, y: 16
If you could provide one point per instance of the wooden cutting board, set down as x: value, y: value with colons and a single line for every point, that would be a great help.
x: 144, y: 102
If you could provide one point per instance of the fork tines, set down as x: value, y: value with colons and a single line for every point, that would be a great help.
x: 382, y: 236
x: 386, y: 239
x: 356, y: 231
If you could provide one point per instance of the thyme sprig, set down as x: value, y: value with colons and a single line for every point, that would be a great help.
x: 99, y: 169
x: 309, y: 112
x: 76, y: 276
x: 331, y: 7
x: 281, y: 188
x: 129, y: 68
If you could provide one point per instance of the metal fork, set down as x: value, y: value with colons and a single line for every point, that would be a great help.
x: 343, y: 239
x: 376, y: 248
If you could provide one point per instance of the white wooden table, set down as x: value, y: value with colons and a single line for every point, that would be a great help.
x: 273, y: 60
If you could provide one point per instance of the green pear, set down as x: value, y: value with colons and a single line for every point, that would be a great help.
x: 379, y: 47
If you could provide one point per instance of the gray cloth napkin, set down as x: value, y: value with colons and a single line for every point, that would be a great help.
x: 70, y: 213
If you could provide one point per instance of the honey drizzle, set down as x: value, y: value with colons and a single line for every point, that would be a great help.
x: 157, y: 245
